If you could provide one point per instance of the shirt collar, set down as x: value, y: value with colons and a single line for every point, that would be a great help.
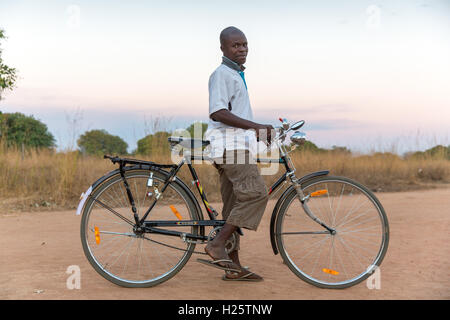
x: 233, y: 65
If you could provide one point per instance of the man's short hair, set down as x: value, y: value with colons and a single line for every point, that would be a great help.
x: 225, y: 34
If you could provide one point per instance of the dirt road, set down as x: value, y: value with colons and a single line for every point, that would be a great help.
x: 37, y: 248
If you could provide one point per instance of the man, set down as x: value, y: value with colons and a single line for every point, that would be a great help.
x: 233, y: 137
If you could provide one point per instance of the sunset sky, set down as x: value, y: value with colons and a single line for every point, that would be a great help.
x: 370, y: 75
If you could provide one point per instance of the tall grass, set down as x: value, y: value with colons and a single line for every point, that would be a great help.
x: 379, y: 171
x: 44, y: 179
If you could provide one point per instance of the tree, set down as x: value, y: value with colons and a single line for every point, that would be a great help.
x: 308, y: 146
x: 340, y: 150
x: 436, y: 152
x: 154, y: 143
x: 17, y: 129
x: 439, y: 152
x: 197, y: 126
x: 8, y: 75
x: 100, y: 142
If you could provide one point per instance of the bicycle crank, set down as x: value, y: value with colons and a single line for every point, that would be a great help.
x: 230, y: 244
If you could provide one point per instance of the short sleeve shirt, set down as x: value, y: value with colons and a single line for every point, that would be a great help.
x: 227, y: 90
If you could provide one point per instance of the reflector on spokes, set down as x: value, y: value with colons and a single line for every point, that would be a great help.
x: 175, y: 212
x: 97, y: 235
x: 319, y: 193
x: 333, y: 272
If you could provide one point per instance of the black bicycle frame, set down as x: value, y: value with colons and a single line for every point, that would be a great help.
x: 152, y: 226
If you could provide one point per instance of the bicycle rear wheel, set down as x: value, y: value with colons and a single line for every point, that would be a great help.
x: 337, y: 260
x: 110, y: 243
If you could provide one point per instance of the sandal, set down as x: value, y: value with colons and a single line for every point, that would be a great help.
x: 243, y: 275
x: 217, y: 264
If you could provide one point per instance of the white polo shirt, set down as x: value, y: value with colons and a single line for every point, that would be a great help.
x: 227, y: 90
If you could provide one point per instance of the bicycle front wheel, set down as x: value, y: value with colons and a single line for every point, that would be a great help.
x: 112, y: 245
x: 338, y: 260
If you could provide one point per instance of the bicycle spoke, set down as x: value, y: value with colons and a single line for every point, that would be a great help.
x: 304, y: 232
x: 317, y: 260
x: 311, y: 246
x: 126, y: 261
x: 356, y: 244
x: 355, y: 201
x: 105, y: 247
x: 360, y: 237
x: 346, y: 231
x: 351, y: 211
x: 120, y: 253
x: 322, y: 208
x: 118, y: 197
x: 145, y: 196
x: 339, y: 205
x: 350, y: 247
x: 330, y: 213
x: 354, y: 218
x: 114, y: 212
x: 342, y: 264
x: 139, y: 254
x: 331, y: 255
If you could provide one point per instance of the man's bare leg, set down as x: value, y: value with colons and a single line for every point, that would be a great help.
x: 234, y: 256
x: 216, y: 248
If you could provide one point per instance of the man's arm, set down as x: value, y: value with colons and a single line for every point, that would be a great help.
x: 230, y: 119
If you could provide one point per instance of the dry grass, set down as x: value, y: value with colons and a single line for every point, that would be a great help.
x: 45, y: 180
x: 379, y: 171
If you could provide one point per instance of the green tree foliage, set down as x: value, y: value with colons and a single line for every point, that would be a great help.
x: 17, y: 129
x: 154, y: 143
x: 100, y: 142
x: 308, y: 146
x: 8, y: 75
x: 200, y: 127
x: 436, y: 152
x: 340, y: 150
x: 439, y: 151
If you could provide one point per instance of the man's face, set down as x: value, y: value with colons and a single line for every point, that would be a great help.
x: 235, y: 48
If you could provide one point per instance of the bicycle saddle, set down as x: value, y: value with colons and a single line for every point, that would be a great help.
x: 188, y: 142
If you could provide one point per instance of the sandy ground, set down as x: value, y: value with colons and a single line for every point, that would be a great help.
x: 37, y: 248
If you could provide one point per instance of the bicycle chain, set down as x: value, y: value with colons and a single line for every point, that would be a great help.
x: 169, y: 246
x: 210, y: 237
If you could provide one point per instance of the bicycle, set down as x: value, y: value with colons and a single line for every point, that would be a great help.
x: 331, y: 232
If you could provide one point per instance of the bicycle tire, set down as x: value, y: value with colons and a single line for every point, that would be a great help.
x: 345, y: 238
x: 106, y: 223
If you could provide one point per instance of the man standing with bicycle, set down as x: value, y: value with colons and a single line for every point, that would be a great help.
x: 233, y: 136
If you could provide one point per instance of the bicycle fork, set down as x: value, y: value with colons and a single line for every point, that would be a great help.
x: 301, y: 196
x: 304, y: 201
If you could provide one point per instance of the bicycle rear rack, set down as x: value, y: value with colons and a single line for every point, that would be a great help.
x: 124, y: 161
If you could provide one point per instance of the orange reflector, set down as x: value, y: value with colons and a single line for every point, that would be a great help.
x: 97, y: 235
x: 175, y: 211
x: 319, y: 193
x: 334, y: 273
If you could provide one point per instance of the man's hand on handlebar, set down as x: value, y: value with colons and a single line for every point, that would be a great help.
x: 265, y: 133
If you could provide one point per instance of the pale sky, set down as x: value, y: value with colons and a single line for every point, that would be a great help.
x: 370, y: 75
